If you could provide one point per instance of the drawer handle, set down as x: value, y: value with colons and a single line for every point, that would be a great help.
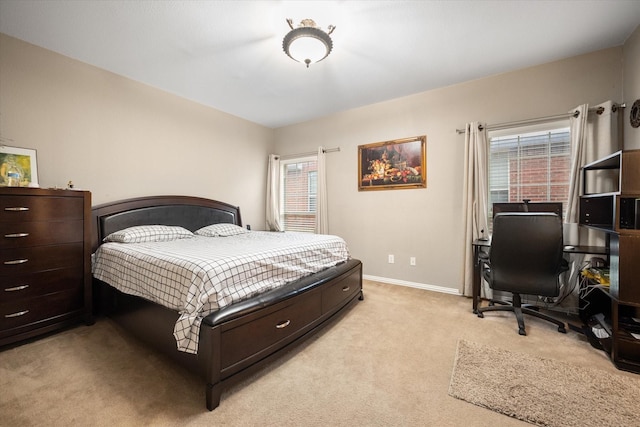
x: 16, y: 209
x: 14, y: 235
x: 346, y: 288
x: 16, y: 261
x: 16, y: 288
x: 283, y: 324
x: 18, y: 314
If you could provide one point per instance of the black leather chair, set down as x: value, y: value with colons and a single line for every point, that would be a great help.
x: 525, y: 258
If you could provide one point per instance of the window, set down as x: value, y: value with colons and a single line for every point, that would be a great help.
x: 534, y: 165
x: 299, y: 181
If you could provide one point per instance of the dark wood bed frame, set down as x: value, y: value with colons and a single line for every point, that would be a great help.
x: 237, y: 340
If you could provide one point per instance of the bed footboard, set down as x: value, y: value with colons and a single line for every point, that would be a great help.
x: 246, y: 338
x: 239, y: 340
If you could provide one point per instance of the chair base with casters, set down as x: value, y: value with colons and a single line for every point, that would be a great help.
x: 518, y: 309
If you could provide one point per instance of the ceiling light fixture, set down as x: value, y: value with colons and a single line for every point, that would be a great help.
x: 308, y: 43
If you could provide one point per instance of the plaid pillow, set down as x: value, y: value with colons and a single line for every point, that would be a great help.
x: 221, y: 230
x: 149, y: 233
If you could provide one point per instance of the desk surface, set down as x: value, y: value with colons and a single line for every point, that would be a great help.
x: 596, y: 250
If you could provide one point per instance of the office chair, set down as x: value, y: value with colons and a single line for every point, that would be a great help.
x: 525, y: 258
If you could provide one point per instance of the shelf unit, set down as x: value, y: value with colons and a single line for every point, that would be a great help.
x: 611, y: 203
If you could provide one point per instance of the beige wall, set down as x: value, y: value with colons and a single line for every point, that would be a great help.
x: 631, y: 87
x: 427, y: 223
x: 119, y: 138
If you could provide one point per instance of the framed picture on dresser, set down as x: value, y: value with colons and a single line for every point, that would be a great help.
x: 18, y: 167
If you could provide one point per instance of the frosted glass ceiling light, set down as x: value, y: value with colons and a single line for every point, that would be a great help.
x: 307, y: 43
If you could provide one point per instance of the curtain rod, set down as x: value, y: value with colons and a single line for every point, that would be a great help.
x: 597, y: 110
x: 309, y: 153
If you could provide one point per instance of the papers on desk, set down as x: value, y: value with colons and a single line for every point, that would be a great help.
x: 631, y: 325
x: 599, y: 332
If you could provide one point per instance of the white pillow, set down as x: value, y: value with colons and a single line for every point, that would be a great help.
x: 221, y: 230
x: 149, y: 233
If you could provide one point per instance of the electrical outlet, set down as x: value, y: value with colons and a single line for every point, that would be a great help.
x: 391, y: 259
x: 412, y: 261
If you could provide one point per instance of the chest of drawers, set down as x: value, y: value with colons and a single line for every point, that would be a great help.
x: 45, y: 264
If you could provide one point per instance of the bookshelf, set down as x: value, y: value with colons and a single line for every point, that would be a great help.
x: 611, y: 204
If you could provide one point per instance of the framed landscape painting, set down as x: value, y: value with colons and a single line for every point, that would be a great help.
x: 18, y: 167
x: 390, y: 165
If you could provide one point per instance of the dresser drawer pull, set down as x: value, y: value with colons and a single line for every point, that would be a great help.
x: 346, y: 288
x: 18, y: 314
x: 16, y: 209
x: 16, y: 261
x: 283, y: 324
x: 16, y: 288
x: 14, y: 235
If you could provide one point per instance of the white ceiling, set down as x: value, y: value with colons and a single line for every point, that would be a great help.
x: 228, y: 54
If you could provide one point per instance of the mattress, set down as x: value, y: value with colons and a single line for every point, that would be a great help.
x: 198, y: 275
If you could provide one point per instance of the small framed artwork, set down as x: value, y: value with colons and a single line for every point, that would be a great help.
x: 18, y: 167
x: 390, y: 165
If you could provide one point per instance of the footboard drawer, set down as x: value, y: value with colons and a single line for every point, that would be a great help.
x: 341, y: 292
x: 260, y: 336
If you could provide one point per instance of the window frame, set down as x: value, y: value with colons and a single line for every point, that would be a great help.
x: 284, y: 163
x: 552, y: 127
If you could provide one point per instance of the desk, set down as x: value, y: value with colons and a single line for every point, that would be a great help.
x: 481, y: 246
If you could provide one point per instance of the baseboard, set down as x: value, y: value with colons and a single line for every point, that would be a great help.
x: 424, y: 286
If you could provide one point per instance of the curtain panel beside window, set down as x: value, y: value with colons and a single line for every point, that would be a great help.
x: 297, y: 194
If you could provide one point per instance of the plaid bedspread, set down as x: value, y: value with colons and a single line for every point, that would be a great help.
x: 199, y: 275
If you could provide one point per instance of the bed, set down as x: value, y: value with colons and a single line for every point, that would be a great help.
x: 233, y: 340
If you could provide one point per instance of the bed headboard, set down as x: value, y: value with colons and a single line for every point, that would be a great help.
x: 189, y: 212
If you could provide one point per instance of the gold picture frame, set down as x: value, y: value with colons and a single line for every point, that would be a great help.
x: 391, y: 165
x: 18, y: 167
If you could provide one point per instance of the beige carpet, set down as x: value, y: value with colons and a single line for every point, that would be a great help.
x: 543, y: 391
x: 387, y: 362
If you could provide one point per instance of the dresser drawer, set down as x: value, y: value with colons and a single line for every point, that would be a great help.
x: 31, y: 260
x: 340, y: 293
x: 24, y: 312
x: 259, y: 334
x: 14, y: 208
x: 13, y: 288
x: 23, y: 234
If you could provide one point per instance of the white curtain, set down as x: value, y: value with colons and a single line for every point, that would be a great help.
x: 603, y: 136
x: 594, y: 134
x: 322, y: 216
x: 475, y: 197
x: 578, y: 129
x: 272, y: 214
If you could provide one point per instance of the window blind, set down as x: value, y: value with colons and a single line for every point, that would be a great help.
x: 299, y: 189
x: 534, y: 166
